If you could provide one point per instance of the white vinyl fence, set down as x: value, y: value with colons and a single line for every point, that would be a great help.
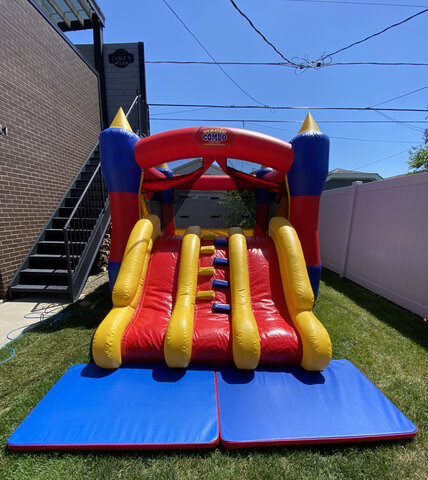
x: 376, y: 234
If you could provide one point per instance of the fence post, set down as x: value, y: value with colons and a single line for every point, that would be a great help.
x: 348, y: 227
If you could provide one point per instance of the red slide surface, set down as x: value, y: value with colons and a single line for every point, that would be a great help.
x: 212, y: 340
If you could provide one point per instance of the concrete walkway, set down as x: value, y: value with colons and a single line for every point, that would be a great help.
x: 23, y: 314
x: 26, y: 312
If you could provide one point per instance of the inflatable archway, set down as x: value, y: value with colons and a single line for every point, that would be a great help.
x: 213, y: 298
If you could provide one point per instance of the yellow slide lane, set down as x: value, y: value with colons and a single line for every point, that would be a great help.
x: 179, y: 334
x: 299, y: 295
x: 126, y: 293
x: 245, y: 334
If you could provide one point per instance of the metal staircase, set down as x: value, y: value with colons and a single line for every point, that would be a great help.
x: 61, y: 258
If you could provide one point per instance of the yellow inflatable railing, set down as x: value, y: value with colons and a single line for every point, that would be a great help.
x: 179, y: 334
x: 245, y: 334
x: 299, y: 295
x: 126, y: 293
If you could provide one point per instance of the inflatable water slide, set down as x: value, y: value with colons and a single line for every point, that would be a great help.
x: 211, y: 336
x: 214, y: 297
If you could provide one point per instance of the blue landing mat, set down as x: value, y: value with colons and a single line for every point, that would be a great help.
x: 280, y: 406
x: 134, y: 407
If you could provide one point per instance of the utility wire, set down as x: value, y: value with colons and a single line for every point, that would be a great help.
x: 375, y: 34
x: 330, y: 136
x: 209, y: 54
x: 283, y: 64
x: 371, y: 140
x: 377, y: 64
x: 400, y: 96
x: 282, y: 107
x: 401, y: 123
x: 190, y: 62
x: 179, y: 111
x: 248, y: 120
x: 261, y: 34
x: 377, y: 4
x: 305, y: 63
x: 381, y: 160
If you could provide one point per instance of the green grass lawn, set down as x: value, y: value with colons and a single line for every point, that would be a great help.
x: 388, y: 344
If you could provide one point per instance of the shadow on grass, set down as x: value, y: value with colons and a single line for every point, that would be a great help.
x: 86, y: 313
x: 325, y: 450
x: 241, y: 453
x: 408, y: 324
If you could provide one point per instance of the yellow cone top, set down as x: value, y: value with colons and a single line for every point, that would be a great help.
x: 120, y: 121
x: 309, y: 125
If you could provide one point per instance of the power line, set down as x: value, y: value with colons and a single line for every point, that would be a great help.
x: 261, y: 34
x: 377, y: 64
x: 305, y: 63
x: 245, y: 120
x: 381, y: 160
x: 209, y: 54
x: 195, y: 62
x: 400, y: 96
x: 401, y: 123
x: 282, y: 107
x: 370, y: 140
x: 283, y: 64
x: 376, y: 4
x: 333, y: 137
x: 180, y: 111
x: 375, y: 34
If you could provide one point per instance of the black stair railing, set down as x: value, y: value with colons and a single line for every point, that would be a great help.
x: 84, y: 228
x: 85, y: 224
x: 88, y: 221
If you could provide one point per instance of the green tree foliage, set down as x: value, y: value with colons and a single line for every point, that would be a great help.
x: 418, y: 156
x: 240, y: 208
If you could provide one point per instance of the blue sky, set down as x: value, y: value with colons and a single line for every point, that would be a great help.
x: 298, y: 29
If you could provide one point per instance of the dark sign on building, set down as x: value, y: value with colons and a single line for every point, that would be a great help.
x: 121, y: 58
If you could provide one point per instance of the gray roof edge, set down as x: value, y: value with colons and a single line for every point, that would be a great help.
x: 352, y: 175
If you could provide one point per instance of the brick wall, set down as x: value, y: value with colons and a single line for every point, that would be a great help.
x: 49, y: 102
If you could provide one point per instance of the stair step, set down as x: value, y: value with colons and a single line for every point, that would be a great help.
x: 50, y: 271
x: 46, y: 260
x: 57, y: 234
x: 65, y: 211
x: 58, y: 247
x: 71, y: 201
x: 83, y: 180
x: 94, y: 160
x: 221, y: 307
x: 220, y: 262
x: 39, y: 288
x: 80, y: 186
x: 93, y: 200
x: 43, y: 276
x: 77, y: 191
x: 59, y: 222
x: 54, y: 234
x: 220, y: 284
x: 90, y: 168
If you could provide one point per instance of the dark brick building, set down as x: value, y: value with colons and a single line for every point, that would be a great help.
x: 49, y: 103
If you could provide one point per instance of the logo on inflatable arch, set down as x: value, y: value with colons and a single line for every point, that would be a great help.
x: 214, y: 137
